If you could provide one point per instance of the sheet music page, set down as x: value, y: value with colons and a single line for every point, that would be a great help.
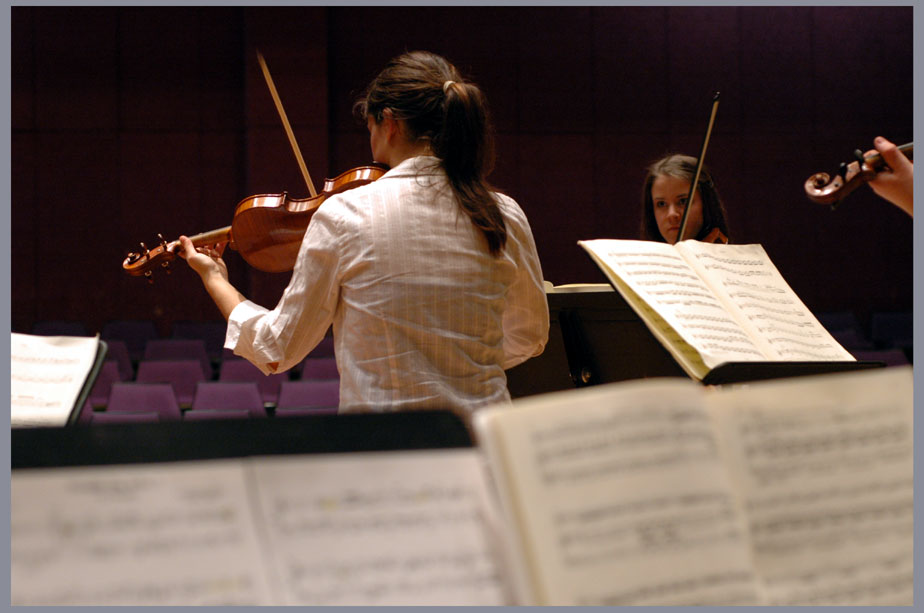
x: 756, y: 292
x: 617, y: 496
x: 382, y: 528
x: 824, y: 466
x: 147, y: 534
x: 46, y: 376
x: 658, y: 276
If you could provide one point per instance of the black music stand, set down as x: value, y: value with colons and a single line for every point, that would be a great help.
x: 234, y: 438
x: 596, y: 337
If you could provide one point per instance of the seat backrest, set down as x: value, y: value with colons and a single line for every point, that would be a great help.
x: 239, y: 369
x: 133, y: 397
x: 179, y: 349
x: 324, y: 349
x: 229, y: 395
x: 210, y: 332
x: 183, y: 375
x: 86, y: 413
x: 108, y: 374
x: 318, y: 368
x: 308, y: 393
x: 117, y: 350
x: 135, y: 334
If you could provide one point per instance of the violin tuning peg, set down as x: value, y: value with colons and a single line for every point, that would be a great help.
x: 166, y: 267
x: 144, y: 249
x: 149, y: 276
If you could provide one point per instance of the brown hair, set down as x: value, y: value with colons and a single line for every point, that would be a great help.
x: 682, y: 167
x: 436, y: 104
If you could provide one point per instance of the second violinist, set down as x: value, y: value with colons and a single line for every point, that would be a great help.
x: 430, y: 279
x: 664, y: 198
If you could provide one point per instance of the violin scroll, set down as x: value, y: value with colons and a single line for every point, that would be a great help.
x: 144, y: 263
x: 830, y: 190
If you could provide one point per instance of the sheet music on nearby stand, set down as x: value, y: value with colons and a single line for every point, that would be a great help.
x: 596, y: 337
x: 723, y: 312
x: 51, y: 377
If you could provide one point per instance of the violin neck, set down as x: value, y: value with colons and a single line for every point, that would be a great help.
x: 221, y: 235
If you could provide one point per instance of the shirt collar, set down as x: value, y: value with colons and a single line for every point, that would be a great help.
x: 415, y: 166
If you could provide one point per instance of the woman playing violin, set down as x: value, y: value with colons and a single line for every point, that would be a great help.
x: 431, y: 280
x: 664, y: 198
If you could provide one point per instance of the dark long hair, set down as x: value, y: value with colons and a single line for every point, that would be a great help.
x: 438, y: 105
x: 682, y: 167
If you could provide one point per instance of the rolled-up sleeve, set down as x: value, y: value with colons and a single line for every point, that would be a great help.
x: 526, y: 314
x: 275, y: 340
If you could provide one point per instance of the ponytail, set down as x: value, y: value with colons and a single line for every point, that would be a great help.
x: 466, y: 148
x: 428, y: 93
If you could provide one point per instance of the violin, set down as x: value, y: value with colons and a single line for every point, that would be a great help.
x: 715, y: 236
x: 827, y: 189
x: 267, y: 229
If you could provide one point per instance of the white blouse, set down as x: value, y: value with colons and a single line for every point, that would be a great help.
x: 423, y: 315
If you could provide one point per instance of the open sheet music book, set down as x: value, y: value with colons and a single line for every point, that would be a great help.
x: 712, y: 304
x: 658, y: 491
x: 367, y: 528
x: 665, y: 492
x: 51, y: 376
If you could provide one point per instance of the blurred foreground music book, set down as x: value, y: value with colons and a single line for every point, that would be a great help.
x: 51, y: 377
x: 650, y: 492
x: 663, y: 492
x: 712, y: 305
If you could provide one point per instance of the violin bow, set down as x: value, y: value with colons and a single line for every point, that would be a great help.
x: 699, y: 167
x: 285, y: 124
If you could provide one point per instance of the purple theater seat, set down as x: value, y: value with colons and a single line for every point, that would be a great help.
x: 318, y: 368
x: 108, y: 374
x: 179, y: 349
x: 183, y: 375
x: 308, y: 394
x: 324, y: 349
x: 86, y: 414
x: 117, y: 350
x: 239, y: 369
x: 212, y: 333
x: 144, y: 398
x: 229, y: 395
x: 134, y: 333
